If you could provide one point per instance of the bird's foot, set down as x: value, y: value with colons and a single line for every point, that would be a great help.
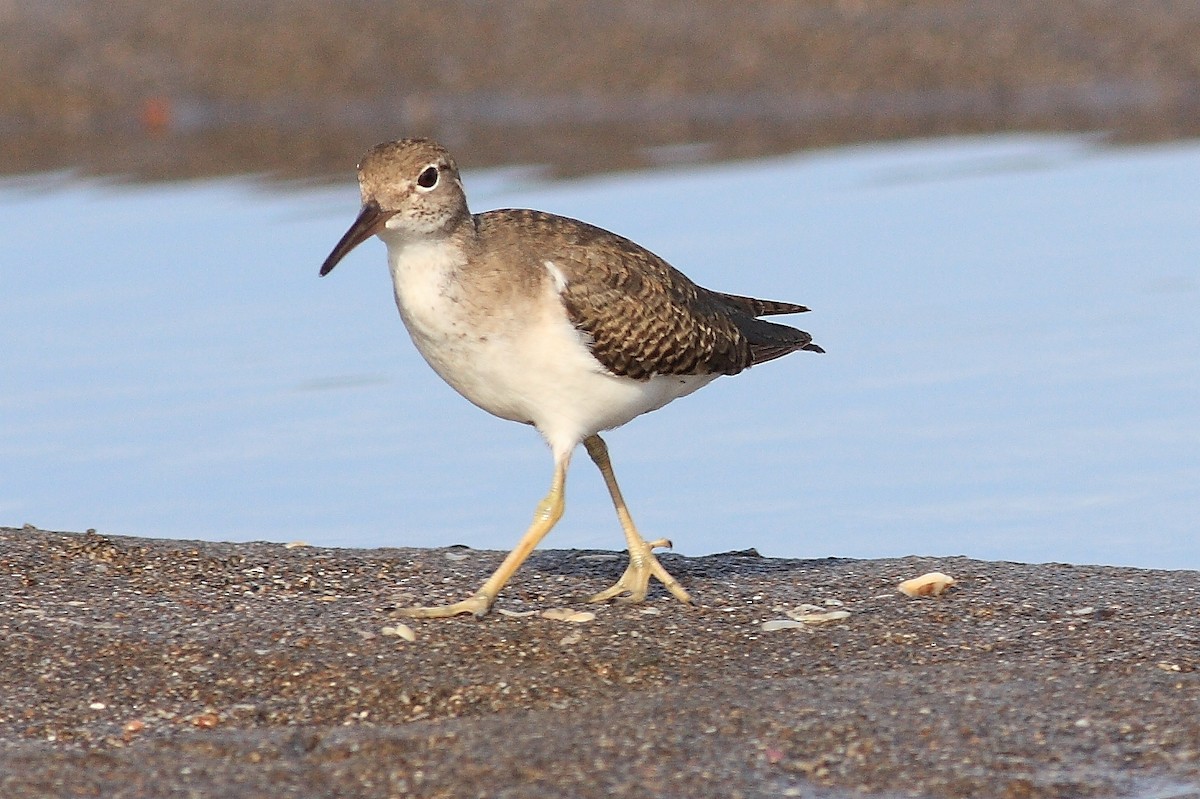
x: 635, y: 582
x: 478, y: 605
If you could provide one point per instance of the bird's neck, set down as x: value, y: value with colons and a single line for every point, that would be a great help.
x: 424, y: 249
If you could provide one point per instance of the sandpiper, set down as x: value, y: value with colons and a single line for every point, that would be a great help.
x: 552, y: 322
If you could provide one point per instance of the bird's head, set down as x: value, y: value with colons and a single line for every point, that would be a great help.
x: 410, y: 187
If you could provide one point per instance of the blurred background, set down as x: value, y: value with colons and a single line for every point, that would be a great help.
x: 990, y: 206
x: 299, y: 88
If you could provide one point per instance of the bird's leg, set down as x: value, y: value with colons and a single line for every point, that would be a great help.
x: 548, y: 512
x: 635, y: 582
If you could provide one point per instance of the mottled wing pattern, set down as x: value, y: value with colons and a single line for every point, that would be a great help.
x: 645, y: 317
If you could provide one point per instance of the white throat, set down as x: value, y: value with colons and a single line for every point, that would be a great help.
x: 425, y: 274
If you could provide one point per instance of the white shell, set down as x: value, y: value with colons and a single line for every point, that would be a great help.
x: 930, y: 584
x: 566, y: 614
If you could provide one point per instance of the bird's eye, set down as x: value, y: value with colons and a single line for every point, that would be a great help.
x: 428, y: 177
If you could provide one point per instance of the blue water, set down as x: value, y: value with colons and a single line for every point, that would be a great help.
x: 1013, y: 367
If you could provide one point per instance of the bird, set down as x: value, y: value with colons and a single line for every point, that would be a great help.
x: 552, y: 322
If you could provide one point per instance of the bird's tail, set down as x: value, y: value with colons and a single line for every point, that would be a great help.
x: 756, y: 307
x: 769, y: 340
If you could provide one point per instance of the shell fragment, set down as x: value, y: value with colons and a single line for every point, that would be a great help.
x: 817, y: 617
x: 931, y: 584
x: 400, y: 631
x: 566, y: 614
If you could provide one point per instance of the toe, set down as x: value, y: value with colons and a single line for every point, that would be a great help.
x: 635, y: 595
x: 608, y: 593
x: 478, y: 605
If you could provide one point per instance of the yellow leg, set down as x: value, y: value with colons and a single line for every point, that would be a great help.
x: 548, y: 512
x: 635, y: 582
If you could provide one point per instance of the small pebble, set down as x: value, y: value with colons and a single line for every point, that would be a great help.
x: 296, y: 544
x: 97, y: 706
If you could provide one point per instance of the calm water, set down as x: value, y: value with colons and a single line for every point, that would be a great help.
x: 1013, y: 365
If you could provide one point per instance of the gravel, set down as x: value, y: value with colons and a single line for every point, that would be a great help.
x: 137, y: 667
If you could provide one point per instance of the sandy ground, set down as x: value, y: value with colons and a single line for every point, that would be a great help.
x: 136, y: 667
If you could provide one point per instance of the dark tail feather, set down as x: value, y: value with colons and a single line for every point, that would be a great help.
x: 761, y: 353
x: 769, y: 340
x: 756, y: 307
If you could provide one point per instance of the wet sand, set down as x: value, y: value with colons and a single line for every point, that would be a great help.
x: 137, y: 667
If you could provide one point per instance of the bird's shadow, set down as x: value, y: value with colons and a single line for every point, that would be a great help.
x: 607, y: 565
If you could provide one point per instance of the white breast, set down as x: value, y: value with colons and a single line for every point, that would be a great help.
x: 524, y: 361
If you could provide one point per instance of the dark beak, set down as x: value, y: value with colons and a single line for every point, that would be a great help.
x: 370, y: 220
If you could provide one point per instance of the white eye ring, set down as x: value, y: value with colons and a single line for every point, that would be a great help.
x: 428, y: 177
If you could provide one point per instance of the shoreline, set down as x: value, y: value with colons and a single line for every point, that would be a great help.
x: 298, y: 89
x: 157, y: 667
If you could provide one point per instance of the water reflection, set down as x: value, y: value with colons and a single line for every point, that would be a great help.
x: 1014, y: 361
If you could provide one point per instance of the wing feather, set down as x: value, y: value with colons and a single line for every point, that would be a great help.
x: 644, y: 317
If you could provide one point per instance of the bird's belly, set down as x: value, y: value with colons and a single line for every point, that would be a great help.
x: 527, y: 363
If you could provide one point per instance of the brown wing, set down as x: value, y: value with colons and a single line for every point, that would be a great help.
x: 645, y: 317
